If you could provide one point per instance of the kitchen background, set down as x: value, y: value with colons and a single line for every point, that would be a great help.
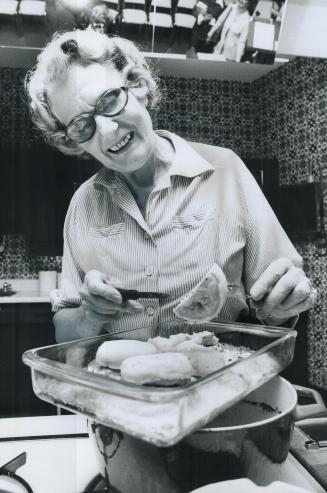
x: 281, y: 115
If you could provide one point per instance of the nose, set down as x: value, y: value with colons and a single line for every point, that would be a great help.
x: 106, y: 126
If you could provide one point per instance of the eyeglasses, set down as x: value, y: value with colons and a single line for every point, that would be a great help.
x: 110, y: 103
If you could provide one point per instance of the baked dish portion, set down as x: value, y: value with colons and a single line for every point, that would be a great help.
x: 163, y: 369
x: 165, y: 361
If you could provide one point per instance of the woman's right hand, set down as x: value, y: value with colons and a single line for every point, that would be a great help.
x: 101, y: 301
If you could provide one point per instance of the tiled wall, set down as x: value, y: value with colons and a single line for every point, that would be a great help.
x: 283, y: 114
x: 210, y: 111
x: 17, y: 263
x: 290, y: 105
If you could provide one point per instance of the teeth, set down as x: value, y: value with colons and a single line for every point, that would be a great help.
x: 121, y: 144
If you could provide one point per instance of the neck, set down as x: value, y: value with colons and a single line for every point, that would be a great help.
x: 158, y: 163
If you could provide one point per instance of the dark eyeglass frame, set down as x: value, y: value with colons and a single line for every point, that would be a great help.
x: 91, y: 114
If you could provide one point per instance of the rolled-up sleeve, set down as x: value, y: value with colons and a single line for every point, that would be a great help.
x: 72, y: 275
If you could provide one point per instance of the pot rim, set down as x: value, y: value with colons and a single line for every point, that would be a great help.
x: 256, y: 424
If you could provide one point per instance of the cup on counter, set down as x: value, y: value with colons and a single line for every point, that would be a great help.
x: 59, y: 280
x: 47, y: 281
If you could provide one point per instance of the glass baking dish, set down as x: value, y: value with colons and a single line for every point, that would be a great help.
x: 159, y: 415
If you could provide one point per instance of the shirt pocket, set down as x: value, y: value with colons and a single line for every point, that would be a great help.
x: 194, y: 219
x: 114, y: 231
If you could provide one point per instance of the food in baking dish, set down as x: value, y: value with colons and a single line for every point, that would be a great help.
x: 112, y: 353
x: 162, y: 369
x: 174, y: 360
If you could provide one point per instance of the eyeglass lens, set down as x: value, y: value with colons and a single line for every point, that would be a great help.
x: 110, y: 103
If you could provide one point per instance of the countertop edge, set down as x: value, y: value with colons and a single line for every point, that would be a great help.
x: 25, y: 297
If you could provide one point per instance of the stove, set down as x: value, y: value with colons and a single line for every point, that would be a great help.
x: 59, y: 455
x: 60, y: 458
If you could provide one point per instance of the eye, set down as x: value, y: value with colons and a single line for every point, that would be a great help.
x: 111, y: 102
x: 80, y: 125
x: 81, y: 129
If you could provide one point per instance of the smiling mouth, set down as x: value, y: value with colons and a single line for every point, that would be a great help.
x: 122, y: 144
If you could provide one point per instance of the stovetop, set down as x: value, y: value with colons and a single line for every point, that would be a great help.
x: 60, y: 457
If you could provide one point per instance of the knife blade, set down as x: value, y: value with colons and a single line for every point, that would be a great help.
x: 134, y: 294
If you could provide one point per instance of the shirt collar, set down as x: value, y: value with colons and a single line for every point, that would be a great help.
x: 104, y: 178
x: 187, y: 162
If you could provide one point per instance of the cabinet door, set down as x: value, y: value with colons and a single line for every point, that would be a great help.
x: 266, y: 173
x: 7, y: 361
x: 53, y: 178
x: 297, y: 372
x: 11, y: 190
x: 22, y: 327
x: 34, y: 329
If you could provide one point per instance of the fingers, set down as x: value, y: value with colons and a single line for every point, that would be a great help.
x: 98, y: 284
x: 98, y: 303
x: 282, y: 290
x: 270, y: 276
x: 100, y: 317
x: 99, y: 295
x: 280, y: 314
x: 301, y: 292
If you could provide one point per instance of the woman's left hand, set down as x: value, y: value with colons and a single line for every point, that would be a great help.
x: 281, y: 292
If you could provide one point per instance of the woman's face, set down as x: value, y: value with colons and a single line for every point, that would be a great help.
x: 125, y: 142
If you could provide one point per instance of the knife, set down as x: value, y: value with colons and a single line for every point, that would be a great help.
x: 134, y: 294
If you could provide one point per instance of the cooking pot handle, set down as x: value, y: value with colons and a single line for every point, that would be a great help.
x: 309, y: 410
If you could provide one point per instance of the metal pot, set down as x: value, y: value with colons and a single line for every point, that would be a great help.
x: 251, y: 439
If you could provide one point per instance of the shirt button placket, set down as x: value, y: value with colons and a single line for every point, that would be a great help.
x: 149, y: 311
x: 151, y: 268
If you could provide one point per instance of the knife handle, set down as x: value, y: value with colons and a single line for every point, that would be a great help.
x: 128, y: 294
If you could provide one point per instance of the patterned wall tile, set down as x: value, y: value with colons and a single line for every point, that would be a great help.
x: 17, y: 263
x: 210, y: 111
x: 291, y: 117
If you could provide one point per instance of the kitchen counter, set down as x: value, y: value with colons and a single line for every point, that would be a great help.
x: 26, y: 291
x: 25, y: 297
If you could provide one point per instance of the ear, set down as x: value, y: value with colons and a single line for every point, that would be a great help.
x: 140, y: 91
x: 136, y: 83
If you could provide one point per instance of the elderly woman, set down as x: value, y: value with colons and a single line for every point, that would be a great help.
x: 161, y: 211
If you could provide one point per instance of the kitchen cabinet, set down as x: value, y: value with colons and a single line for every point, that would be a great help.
x: 266, y: 173
x: 22, y: 326
x: 52, y: 179
x: 36, y: 185
x: 11, y: 190
x: 297, y: 372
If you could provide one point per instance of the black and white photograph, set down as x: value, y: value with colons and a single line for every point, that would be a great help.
x: 163, y: 246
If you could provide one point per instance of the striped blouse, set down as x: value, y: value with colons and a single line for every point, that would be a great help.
x: 207, y: 209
